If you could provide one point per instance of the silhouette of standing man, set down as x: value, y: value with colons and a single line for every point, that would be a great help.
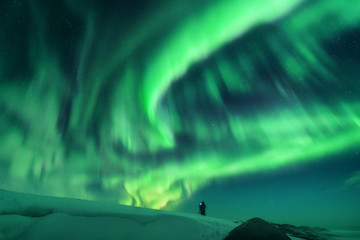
x: 202, y: 207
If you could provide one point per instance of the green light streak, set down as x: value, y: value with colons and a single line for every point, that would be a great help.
x: 159, y: 109
x: 196, y: 39
x: 287, y: 138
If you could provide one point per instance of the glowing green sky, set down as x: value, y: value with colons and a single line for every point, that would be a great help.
x: 148, y: 103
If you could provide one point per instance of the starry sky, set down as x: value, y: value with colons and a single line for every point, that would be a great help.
x: 250, y: 106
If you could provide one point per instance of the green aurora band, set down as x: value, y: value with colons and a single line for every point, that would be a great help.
x: 147, y: 107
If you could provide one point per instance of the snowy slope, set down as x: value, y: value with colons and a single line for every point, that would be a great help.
x: 31, y: 217
x: 24, y: 216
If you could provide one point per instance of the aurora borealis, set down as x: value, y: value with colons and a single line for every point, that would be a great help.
x: 148, y: 103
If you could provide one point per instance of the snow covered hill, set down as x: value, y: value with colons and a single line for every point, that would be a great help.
x: 25, y: 216
x: 32, y: 217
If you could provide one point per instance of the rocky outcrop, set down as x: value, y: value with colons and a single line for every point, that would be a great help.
x: 256, y: 229
x: 308, y: 233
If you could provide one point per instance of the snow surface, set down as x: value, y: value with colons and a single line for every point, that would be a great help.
x: 32, y: 217
x: 25, y: 216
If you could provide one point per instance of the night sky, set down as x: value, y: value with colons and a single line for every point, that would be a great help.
x: 250, y: 106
